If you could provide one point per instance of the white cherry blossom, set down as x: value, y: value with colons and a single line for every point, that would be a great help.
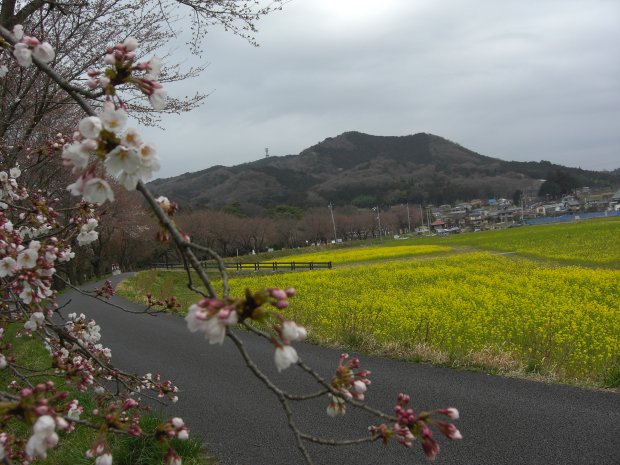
x: 90, y: 127
x: 158, y: 99
x: 153, y: 68
x: 284, y: 357
x: 122, y: 159
x: 164, y: 203
x: 85, y: 238
x: 27, y: 259
x: 97, y: 190
x: 3, y: 71
x: 18, y: 31
x: 131, y: 43
x: 104, y: 459
x: 113, y: 120
x: 8, y: 266
x: 77, y: 188
x: 128, y: 181
x: 75, y: 155
x: 44, y: 52
x: 44, y: 438
x: 23, y: 55
x: 293, y: 332
x: 36, y: 320
x: 131, y: 138
x: 26, y: 295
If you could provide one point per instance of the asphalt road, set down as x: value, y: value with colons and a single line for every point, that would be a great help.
x: 503, y: 421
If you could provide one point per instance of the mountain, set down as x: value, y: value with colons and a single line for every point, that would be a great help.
x: 366, y: 170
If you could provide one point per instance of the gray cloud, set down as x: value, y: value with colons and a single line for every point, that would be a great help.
x: 519, y: 80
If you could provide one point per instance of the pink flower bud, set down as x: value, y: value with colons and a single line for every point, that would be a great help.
x: 359, y: 387
x: 449, y: 430
x: 61, y: 423
x: 450, y: 412
x: 129, y: 403
x: 41, y: 410
x: 31, y: 41
x: 281, y: 304
x: 277, y: 293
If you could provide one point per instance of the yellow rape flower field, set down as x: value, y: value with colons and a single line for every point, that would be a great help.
x: 361, y: 254
x: 592, y: 243
x: 473, y: 308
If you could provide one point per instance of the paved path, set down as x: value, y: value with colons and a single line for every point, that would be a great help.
x: 503, y: 421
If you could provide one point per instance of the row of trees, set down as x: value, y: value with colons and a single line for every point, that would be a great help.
x: 229, y: 234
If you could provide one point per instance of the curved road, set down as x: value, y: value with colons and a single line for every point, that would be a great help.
x: 503, y: 421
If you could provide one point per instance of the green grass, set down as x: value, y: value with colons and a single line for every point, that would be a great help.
x: 126, y: 450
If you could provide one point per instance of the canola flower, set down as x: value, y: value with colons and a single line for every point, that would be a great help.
x: 591, y: 242
x: 565, y: 319
x: 361, y: 254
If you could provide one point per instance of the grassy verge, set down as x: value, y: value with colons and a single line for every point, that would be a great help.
x: 126, y: 450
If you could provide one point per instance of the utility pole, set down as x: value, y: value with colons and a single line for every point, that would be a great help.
x: 379, y: 220
x: 428, y: 219
x: 331, y: 209
x: 422, y: 216
x: 408, y: 219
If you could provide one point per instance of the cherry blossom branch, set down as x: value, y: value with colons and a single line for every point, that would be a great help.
x: 122, y: 154
x: 340, y: 442
x: 277, y: 391
x: 355, y: 403
x: 220, y: 265
x: 146, y: 311
x: 179, y: 240
x: 62, y: 83
x: 328, y: 387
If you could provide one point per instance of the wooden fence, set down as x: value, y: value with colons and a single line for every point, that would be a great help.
x: 274, y: 266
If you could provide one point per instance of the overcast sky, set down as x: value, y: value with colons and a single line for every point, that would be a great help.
x: 516, y: 80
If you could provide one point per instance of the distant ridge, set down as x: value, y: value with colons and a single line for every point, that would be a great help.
x: 356, y: 168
